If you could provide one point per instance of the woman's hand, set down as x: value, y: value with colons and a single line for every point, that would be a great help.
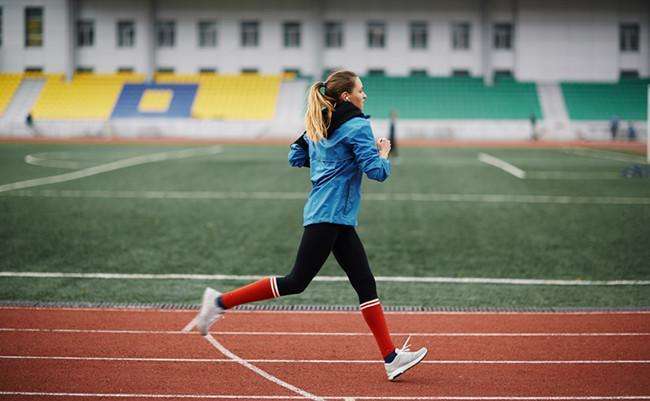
x: 383, y: 145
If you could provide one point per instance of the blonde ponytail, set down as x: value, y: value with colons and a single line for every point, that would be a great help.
x: 314, y: 122
x: 336, y: 83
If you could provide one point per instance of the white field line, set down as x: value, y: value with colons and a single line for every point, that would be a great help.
x: 501, y: 164
x: 328, y: 361
x: 571, y: 175
x: 414, y: 197
x: 332, y: 397
x: 604, y: 154
x: 116, y: 165
x: 144, y: 309
x: 392, y: 279
x: 324, y: 334
x: 39, y: 160
x: 225, y: 351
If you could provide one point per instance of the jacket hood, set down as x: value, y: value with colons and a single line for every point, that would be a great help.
x: 342, y: 113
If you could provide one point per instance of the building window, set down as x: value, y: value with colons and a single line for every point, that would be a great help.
x: 165, y: 70
x: 249, y: 70
x: 503, y: 36
x: 460, y: 73
x: 503, y: 74
x: 291, y: 34
x: 165, y: 33
x: 418, y: 73
x: 460, y: 32
x: 250, y: 33
x: 291, y: 72
x: 208, y: 71
x: 207, y: 34
x: 419, y: 35
x: 629, y: 37
x: 84, y: 70
x: 629, y: 74
x: 34, y: 27
x: 333, y: 35
x: 376, y: 72
x: 376, y: 34
x: 34, y: 70
x: 85, y: 33
x: 125, y: 70
x: 125, y: 34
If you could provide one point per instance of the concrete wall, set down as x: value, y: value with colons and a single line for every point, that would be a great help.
x: 578, y: 40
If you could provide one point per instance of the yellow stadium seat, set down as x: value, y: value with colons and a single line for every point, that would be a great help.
x: 155, y: 100
x: 8, y: 85
x: 246, y: 96
x: 86, y: 96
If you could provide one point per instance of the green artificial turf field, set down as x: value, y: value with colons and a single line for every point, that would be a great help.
x: 442, y: 213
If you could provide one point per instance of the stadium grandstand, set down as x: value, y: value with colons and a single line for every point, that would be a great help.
x: 462, y: 69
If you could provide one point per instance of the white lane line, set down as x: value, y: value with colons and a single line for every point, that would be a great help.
x: 332, y: 397
x: 188, y: 327
x: 329, y: 361
x: 415, y: 197
x: 144, y: 395
x: 391, y: 279
x: 311, y: 333
x: 225, y: 351
x: 103, y: 168
x: 502, y: 164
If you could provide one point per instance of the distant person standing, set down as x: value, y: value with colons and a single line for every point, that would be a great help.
x: 533, y: 126
x: 613, y: 126
x: 391, y: 132
x: 631, y: 131
x: 29, y: 122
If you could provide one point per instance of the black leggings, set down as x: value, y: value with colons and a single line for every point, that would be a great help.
x: 315, y: 246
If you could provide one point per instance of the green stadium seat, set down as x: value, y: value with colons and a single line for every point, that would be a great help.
x: 627, y: 99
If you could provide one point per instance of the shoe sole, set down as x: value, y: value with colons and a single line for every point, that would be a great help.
x: 404, y: 368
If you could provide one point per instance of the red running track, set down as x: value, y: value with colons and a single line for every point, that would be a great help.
x: 54, y: 354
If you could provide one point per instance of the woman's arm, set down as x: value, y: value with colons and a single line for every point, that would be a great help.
x: 299, y: 152
x: 366, y: 154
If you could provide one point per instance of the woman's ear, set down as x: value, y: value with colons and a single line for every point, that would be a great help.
x: 344, y: 97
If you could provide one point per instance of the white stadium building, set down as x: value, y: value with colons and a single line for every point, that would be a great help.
x: 555, y: 44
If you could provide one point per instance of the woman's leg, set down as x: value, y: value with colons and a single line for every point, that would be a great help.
x: 315, y: 246
x: 350, y: 254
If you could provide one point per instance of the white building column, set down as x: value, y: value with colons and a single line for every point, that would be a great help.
x: 318, y: 8
x: 486, y: 62
x: 69, y: 42
x: 148, y: 38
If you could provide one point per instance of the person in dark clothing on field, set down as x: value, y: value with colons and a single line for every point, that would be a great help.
x: 631, y: 131
x: 391, y: 133
x: 533, y: 126
x: 613, y: 126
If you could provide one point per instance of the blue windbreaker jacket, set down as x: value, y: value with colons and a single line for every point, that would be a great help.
x: 337, y: 166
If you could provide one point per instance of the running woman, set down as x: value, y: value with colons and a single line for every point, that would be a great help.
x: 338, y: 146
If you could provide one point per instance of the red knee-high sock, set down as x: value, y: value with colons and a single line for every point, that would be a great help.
x: 260, y: 290
x: 373, y: 314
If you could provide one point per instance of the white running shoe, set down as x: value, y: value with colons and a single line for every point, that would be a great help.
x: 404, y: 360
x: 209, y: 312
